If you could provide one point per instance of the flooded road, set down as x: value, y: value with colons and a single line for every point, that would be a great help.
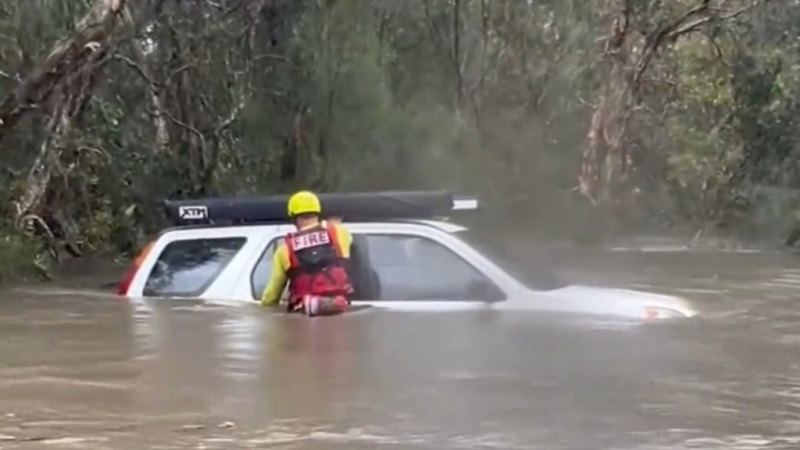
x: 84, y: 370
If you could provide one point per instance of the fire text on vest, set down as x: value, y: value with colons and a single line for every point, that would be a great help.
x: 306, y: 240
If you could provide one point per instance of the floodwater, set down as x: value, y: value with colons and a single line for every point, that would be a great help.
x: 80, y: 369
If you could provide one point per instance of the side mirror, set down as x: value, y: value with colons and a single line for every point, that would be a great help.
x: 485, y: 290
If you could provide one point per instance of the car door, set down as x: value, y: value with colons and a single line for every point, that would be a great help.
x: 413, y: 271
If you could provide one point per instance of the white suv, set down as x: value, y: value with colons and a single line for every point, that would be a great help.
x: 404, y: 264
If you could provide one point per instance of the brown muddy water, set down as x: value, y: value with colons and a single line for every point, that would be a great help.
x: 81, y: 369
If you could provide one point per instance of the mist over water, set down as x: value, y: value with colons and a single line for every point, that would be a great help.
x: 81, y: 369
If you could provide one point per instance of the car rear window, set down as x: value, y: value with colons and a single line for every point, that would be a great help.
x: 186, y: 268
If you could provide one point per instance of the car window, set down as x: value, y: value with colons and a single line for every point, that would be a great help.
x: 416, y: 268
x: 263, y: 269
x: 188, y: 267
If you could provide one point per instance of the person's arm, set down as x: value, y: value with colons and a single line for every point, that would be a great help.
x: 344, y: 238
x: 277, y: 281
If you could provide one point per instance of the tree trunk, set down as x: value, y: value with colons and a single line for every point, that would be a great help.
x: 60, y: 88
x: 92, y: 35
x: 604, y: 167
x: 66, y: 101
x: 157, y: 107
x: 626, y: 57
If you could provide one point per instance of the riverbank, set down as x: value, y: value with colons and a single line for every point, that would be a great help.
x: 27, y: 260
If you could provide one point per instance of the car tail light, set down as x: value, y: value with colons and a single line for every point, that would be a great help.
x: 122, y: 289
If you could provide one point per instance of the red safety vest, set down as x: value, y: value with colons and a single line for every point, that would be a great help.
x: 316, y: 265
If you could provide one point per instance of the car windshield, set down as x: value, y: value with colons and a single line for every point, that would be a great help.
x: 533, y: 273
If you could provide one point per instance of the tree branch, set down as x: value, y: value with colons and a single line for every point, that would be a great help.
x: 136, y: 67
x: 186, y: 127
x: 693, y: 26
x: 9, y: 76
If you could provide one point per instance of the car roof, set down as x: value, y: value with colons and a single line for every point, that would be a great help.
x: 447, y: 227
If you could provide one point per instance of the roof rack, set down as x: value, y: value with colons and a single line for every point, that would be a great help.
x: 353, y: 206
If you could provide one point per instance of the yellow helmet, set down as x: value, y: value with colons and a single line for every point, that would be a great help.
x: 303, y: 202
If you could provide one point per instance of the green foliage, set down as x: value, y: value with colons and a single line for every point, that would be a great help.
x: 706, y: 148
x: 493, y: 97
x: 21, y: 258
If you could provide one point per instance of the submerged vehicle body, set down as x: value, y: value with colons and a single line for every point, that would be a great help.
x: 403, y: 258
